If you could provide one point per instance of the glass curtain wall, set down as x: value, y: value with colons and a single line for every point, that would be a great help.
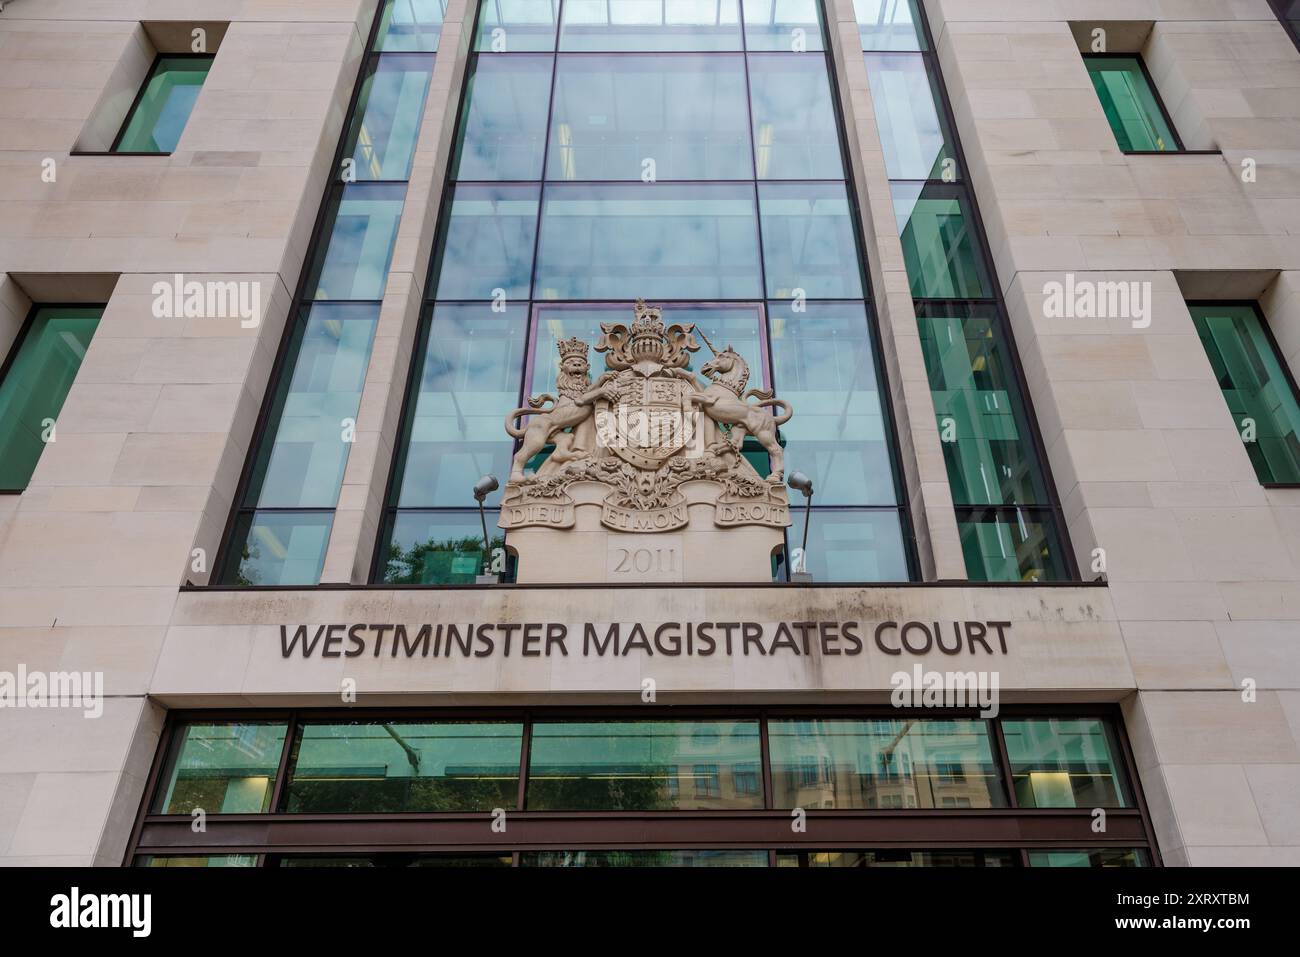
x: 688, y: 152
x: 286, y: 502
x: 1010, y: 522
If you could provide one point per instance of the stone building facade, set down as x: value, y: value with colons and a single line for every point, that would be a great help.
x: 1178, y: 620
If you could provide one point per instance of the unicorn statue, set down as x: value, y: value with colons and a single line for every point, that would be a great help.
x: 725, y: 401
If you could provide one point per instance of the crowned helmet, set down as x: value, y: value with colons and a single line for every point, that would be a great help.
x: 647, y: 339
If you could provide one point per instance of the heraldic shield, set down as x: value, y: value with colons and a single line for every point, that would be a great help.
x: 649, y: 421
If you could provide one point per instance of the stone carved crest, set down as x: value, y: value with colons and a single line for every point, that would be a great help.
x: 656, y: 438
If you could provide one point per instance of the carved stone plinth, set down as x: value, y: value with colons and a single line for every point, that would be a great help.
x: 696, y: 551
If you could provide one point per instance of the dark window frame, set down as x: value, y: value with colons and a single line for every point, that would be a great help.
x: 1289, y: 23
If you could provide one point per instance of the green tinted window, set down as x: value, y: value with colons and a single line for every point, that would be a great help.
x: 159, y: 116
x: 644, y: 765
x: 382, y: 766
x: 981, y: 417
x: 44, y: 365
x: 941, y: 251
x: 883, y: 764
x: 440, y: 548
x: 1094, y: 857
x: 1065, y: 762
x: 223, y: 768
x: 210, y: 860
x: 1262, y: 399
x: 1011, y: 545
x: 1130, y: 104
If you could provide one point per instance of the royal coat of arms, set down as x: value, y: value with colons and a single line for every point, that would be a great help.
x: 644, y: 430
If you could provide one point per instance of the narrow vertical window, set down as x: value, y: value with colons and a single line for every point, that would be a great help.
x: 1136, y: 115
x: 1257, y: 386
x: 42, y: 365
x: 1008, y: 518
x: 284, y: 508
x: 163, y: 107
x: 282, y: 532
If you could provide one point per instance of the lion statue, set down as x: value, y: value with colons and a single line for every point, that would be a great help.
x: 552, y: 418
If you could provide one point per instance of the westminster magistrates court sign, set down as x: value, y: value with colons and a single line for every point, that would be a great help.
x: 668, y: 639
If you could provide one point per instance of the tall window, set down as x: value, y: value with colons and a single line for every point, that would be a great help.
x: 1129, y: 99
x: 288, y: 494
x: 34, y: 383
x: 686, y: 152
x: 160, y: 112
x: 1010, y: 523
x: 1256, y: 384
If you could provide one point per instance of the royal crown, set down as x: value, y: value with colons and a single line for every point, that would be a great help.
x: 572, y: 347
